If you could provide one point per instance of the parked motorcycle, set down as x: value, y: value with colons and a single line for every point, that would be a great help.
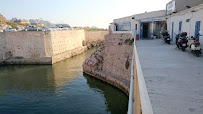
x: 166, y: 37
x: 181, y: 41
x: 195, y: 46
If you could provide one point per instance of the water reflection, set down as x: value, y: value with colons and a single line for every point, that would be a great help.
x: 116, y: 100
x: 26, y: 78
x: 60, y: 88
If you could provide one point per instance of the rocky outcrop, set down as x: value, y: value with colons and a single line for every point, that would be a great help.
x: 112, y: 63
x: 94, y: 62
x: 93, y: 66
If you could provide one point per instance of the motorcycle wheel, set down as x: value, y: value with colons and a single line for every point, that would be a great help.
x: 183, y: 49
x: 169, y: 42
x: 197, y: 54
x: 177, y: 46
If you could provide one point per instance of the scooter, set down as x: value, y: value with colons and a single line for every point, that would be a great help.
x: 181, y: 41
x: 166, y: 37
x: 195, y: 46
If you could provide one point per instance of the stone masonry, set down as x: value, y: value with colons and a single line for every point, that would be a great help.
x: 112, y: 63
x: 43, y: 47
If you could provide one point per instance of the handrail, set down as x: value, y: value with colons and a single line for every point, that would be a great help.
x: 131, y: 96
x: 144, y: 97
x: 139, y: 82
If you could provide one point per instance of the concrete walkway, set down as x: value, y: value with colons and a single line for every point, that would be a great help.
x: 174, y: 79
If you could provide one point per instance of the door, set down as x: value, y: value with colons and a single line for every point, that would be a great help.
x: 145, y: 30
x: 141, y: 29
x: 197, y: 29
x: 149, y: 30
x: 180, y: 26
x: 172, y: 31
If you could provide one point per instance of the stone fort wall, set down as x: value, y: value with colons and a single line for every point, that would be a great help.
x: 25, y: 44
x: 2, y: 46
x: 42, y: 47
x: 95, y: 36
x: 118, y: 55
x: 112, y: 63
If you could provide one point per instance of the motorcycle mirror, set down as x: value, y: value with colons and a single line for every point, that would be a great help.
x: 200, y: 33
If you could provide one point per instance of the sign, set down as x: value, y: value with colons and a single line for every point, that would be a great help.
x: 171, y: 7
x: 154, y: 19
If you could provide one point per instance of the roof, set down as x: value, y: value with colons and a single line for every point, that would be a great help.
x: 153, y: 14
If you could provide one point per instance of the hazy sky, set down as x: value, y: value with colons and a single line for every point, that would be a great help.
x: 78, y: 12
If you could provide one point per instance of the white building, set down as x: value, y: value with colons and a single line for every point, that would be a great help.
x: 145, y: 25
x: 179, y: 16
x: 186, y: 20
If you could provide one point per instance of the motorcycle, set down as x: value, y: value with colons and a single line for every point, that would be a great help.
x: 181, y: 41
x: 166, y: 37
x: 195, y: 46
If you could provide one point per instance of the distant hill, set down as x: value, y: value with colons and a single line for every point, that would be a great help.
x: 4, y: 23
x: 3, y: 20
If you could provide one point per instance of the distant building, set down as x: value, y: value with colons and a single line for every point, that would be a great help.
x: 62, y: 25
x: 40, y: 22
x: 23, y: 21
x: 33, y: 22
x: 14, y: 19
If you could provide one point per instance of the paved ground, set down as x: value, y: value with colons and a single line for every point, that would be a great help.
x: 174, y: 79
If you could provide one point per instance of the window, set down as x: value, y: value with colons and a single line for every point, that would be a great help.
x: 135, y: 26
x: 180, y: 26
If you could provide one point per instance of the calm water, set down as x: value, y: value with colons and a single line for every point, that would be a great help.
x: 60, y: 88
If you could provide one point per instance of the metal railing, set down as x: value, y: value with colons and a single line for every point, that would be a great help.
x: 131, y: 95
x: 139, y: 102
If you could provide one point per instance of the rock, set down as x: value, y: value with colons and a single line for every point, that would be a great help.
x: 94, y: 62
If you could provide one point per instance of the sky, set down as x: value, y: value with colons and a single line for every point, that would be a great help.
x: 83, y: 13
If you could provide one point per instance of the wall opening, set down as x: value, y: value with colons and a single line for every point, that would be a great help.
x: 180, y: 27
x: 197, y: 29
x: 145, y: 30
x: 172, y: 31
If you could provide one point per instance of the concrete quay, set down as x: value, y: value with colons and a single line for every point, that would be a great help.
x: 174, y: 79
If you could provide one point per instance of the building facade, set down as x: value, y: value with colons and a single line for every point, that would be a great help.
x: 179, y: 16
x: 180, y: 5
x: 188, y: 20
x: 146, y: 25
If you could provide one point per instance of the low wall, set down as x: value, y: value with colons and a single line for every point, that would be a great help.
x: 94, y: 38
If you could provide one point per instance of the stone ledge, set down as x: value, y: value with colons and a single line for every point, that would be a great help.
x: 122, y: 84
x: 31, y: 61
x: 68, y: 54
